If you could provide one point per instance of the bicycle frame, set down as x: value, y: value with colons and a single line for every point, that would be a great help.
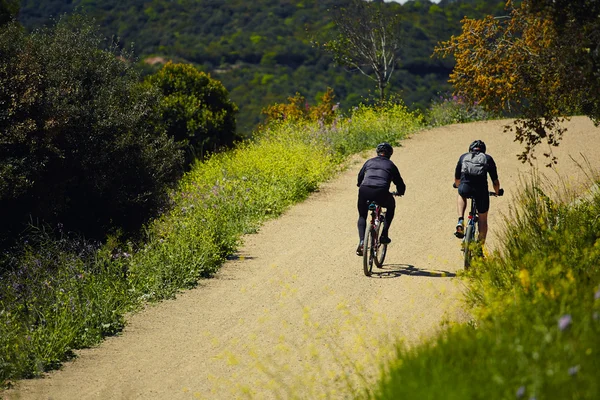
x: 471, y: 231
x: 374, y: 251
x: 470, y: 234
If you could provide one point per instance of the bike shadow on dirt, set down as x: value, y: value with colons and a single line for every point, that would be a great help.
x: 397, y: 270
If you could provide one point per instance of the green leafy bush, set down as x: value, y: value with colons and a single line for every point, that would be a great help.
x: 196, y: 109
x: 78, y: 133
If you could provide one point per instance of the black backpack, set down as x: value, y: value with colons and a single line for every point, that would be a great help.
x: 475, y: 164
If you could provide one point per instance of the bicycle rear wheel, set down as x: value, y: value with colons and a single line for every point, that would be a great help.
x: 468, y: 245
x: 381, y: 249
x: 368, y: 250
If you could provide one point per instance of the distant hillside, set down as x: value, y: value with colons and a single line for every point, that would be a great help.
x: 261, y: 49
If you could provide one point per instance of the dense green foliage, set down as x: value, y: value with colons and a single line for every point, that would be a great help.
x: 541, y: 63
x: 78, y: 133
x: 262, y: 50
x: 195, y: 109
x: 536, y: 331
x: 62, y: 294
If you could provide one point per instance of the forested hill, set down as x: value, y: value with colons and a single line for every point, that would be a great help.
x: 261, y: 50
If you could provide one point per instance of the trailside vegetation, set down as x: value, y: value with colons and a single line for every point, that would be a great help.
x: 58, y: 295
x: 535, y: 332
x: 82, y: 144
x: 540, y: 62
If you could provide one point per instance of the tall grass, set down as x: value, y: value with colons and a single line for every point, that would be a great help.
x: 536, y: 307
x: 57, y: 296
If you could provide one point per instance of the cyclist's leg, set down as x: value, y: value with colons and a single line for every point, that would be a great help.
x: 483, y: 227
x: 461, y: 206
x: 387, y: 200
x: 464, y: 191
x: 363, y: 209
x: 483, y: 206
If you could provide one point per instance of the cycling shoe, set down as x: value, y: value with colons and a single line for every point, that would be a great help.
x: 385, y: 240
x: 460, y: 231
x: 359, y: 249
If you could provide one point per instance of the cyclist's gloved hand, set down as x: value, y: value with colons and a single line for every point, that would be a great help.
x: 400, y: 191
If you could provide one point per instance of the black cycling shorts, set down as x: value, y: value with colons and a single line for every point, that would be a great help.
x: 480, y: 194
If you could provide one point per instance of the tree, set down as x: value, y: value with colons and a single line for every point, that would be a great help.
x: 369, y: 40
x: 196, y: 109
x: 79, y: 143
x: 541, y: 63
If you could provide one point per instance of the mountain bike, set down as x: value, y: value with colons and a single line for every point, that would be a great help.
x: 373, y: 250
x: 469, y: 243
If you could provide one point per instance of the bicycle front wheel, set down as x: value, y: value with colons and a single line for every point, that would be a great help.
x: 381, y: 249
x: 468, y: 245
x: 368, y: 250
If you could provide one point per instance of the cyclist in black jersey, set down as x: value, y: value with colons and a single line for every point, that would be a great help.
x: 374, y: 181
x: 470, y: 177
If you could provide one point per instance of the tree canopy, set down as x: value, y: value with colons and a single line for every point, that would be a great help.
x: 540, y: 62
x: 196, y: 109
x: 260, y: 50
x: 81, y: 142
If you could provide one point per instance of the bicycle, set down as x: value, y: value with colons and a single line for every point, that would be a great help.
x: 469, y: 242
x: 373, y: 250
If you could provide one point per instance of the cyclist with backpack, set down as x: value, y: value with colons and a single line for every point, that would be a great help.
x: 374, y: 181
x: 470, y: 177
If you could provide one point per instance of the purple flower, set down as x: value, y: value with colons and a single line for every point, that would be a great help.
x: 564, y: 322
x: 520, y: 392
x: 574, y: 370
x: 597, y: 294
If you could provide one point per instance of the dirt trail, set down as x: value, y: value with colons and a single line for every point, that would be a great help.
x: 294, y: 315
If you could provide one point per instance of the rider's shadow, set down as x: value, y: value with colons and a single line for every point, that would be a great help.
x: 397, y: 270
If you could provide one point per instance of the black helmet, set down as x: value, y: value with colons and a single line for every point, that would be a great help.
x: 385, y: 149
x: 477, y: 145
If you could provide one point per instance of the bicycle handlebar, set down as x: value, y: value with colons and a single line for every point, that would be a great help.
x: 500, y: 192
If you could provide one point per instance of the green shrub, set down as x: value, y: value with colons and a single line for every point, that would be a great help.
x: 79, y: 133
x: 195, y: 108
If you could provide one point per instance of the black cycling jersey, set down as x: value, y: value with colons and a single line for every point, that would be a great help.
x: 379, y: 172
x: 479, y: 182
x: 374, y: 181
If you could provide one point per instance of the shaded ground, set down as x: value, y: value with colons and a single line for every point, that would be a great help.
x: 293, y: 315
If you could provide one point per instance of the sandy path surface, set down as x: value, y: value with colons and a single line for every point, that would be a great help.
x: 294, y: 316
